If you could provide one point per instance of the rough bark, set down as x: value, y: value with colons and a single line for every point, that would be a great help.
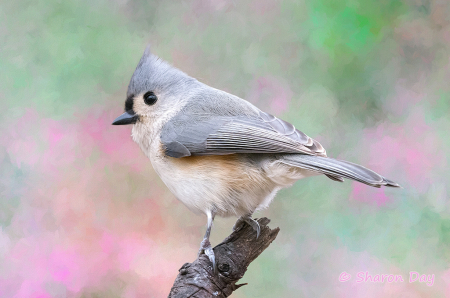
x: 233, y: 255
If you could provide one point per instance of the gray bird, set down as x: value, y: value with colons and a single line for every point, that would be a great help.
x: 218, y: 153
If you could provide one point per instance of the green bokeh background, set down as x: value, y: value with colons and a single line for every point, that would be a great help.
x: 368, y: 79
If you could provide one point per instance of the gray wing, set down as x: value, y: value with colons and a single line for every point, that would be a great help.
x: 214, y: 134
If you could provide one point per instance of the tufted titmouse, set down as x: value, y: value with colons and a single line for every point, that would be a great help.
x: 217, y: 153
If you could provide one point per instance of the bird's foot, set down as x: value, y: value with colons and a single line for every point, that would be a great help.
x: 247, y: 219
x: 205, y: 247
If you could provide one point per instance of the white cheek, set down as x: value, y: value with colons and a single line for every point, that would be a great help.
x: 152, y: 119
x: 141, y: 108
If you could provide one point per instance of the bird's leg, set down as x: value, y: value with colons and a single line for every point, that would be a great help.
x: 248, y: 219
x: 205, y: 246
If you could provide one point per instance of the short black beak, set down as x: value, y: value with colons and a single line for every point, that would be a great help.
x: 125, y: 118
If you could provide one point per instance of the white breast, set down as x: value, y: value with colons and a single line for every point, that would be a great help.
x: 230, y: 185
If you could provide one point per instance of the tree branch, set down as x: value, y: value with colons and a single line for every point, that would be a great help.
x: 233, y: 255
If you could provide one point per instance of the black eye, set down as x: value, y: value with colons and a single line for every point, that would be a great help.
x: 150, y: 98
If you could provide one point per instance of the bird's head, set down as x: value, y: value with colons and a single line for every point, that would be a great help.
x: 155, y: 89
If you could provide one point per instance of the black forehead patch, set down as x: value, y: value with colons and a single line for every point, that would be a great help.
x: 129, y: 105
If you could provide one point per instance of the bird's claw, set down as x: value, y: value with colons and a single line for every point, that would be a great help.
x: 247, y: 219
x: 205, y: 247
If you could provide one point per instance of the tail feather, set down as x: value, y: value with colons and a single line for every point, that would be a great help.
x: 338, y: 169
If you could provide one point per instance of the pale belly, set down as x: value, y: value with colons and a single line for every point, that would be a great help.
x: 230, y: 185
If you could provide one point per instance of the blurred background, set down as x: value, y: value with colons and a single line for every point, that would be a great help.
x: 82, y: 213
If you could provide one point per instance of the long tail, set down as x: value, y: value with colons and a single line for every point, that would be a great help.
x: 337, y: 169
